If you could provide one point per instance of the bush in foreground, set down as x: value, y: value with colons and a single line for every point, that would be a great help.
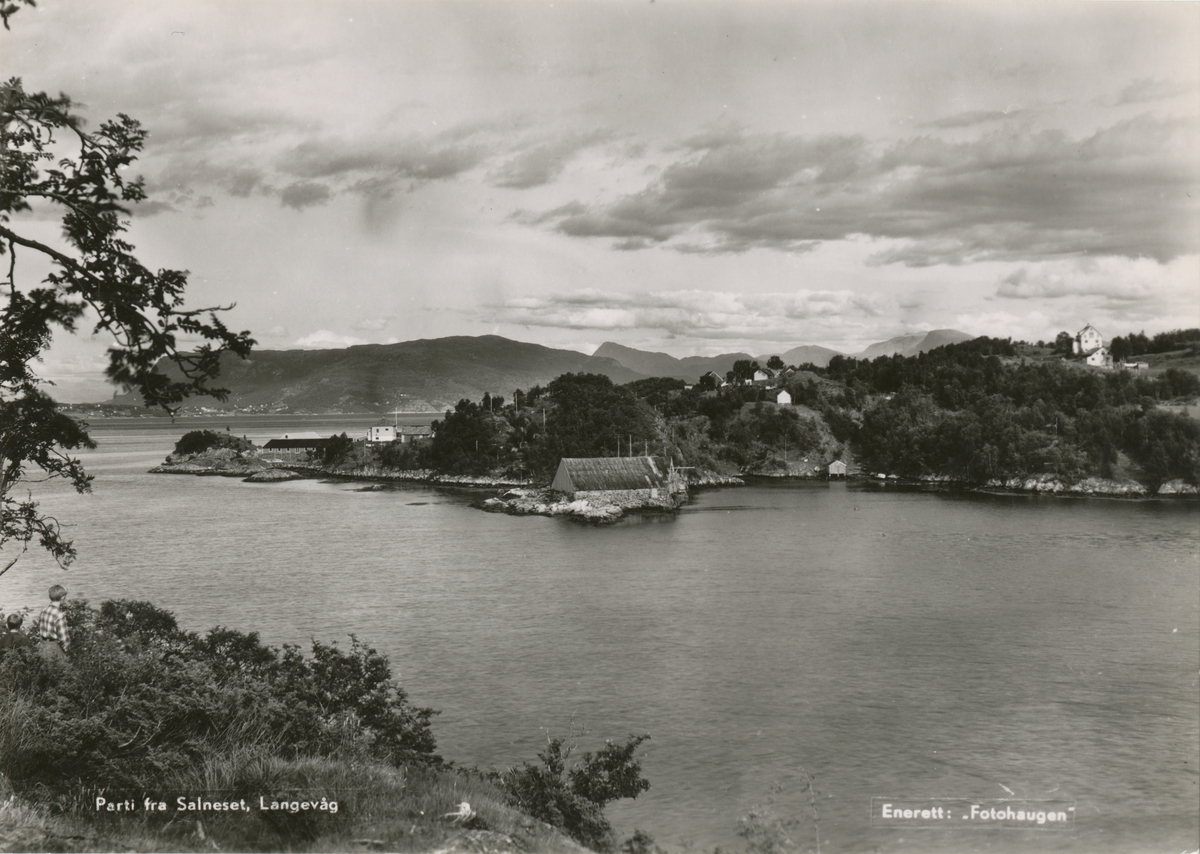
x: 574, y: 798
x: 143, y: 710
x: 141, y: 704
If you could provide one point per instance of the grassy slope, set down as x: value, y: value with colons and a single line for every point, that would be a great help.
x: 381, y: 808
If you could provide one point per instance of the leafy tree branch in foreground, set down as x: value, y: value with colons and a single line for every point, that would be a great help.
x: 52, y: 163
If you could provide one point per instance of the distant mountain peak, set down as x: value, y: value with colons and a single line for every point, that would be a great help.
x: 383, y: 377
x: 913, y: 343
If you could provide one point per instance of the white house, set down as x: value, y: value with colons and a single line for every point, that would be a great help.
x: 381, y: 433
x: 761, y: 375
x: 783, y: 398
x: 837, y: 468
x: 1100, y: 358
x: 1088, y: 340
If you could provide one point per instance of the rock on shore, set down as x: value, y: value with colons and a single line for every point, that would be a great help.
x: 274, y: 475
x: 546, y: 502
x: 1178, y: 487
x: 1097, y: 486
x: 709, y: 478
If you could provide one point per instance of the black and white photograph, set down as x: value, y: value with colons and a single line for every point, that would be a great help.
x: 614, y: 426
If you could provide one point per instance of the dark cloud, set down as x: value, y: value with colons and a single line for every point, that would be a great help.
x: 1144, y: 91
x: 419, y: 160
x: 303, y: 194
x: 1010, y: 194
x: 192, y: 127
x: 320, y: 167
x: 972, y: 118
x: 182, y: 175
x: 542, y: 163
x: 1117, y: 286
x: 152, y: 207
x: 694, y: 313
x: 242, y: 182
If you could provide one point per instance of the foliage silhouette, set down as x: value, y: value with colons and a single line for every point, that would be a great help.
x: 96, y: 279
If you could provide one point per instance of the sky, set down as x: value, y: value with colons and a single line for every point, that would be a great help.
x: 679, y: 176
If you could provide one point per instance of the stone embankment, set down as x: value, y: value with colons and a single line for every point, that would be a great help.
x: 600, y: 509
x: 229, y: 463
x: 429, y: 476
x: 1090, y: 486
x: 275, y: 475
x: 697, y: 480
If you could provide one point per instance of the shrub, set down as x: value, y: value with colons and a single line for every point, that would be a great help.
x: 574, y: 800
x: 141, y: 701
x: 337, y: 450
x: 199, y: 441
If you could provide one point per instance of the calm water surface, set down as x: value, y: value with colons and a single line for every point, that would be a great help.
x: 877, y: 643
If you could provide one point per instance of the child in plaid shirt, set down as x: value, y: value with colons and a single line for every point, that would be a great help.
x: 51, y: 625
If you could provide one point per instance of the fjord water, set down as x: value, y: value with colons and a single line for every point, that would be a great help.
x: 868, y: 641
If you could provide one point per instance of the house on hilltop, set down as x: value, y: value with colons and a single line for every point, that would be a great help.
x: 1087, y: 340
x: 784, y: 398
x: 617, y: 478
x: 1100, y: 358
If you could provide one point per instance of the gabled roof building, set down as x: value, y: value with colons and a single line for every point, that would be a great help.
x: 1087, y: 340
x: 1100, y: 358
x: 642, y: 477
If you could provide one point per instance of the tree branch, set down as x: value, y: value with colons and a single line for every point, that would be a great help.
x: 60, y: 257
x: 10, y: 565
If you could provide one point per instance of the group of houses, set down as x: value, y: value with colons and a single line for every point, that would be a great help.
x: 1089, y: 343
x: 762, y: 376
x: 296, y: 446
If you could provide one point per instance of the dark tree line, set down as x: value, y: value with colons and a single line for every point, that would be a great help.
x: 970, y: 412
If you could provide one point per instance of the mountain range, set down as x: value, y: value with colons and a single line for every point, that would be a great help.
x: 430, y: 374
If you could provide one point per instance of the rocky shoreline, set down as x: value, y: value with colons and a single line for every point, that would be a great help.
x: 1090, y: 487
x: 523, y: 498
x: 520, y: 498
x: 547, y: 502
x: 1049, y: 484
x: 222, y: 462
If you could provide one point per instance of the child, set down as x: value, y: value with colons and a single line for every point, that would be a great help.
x: 52, y: 625
x: 14, y: 638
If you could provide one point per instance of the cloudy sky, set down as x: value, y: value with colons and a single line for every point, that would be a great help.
x: 690, y: 177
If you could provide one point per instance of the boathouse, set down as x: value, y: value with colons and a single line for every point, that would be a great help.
x: 296, y: 445
x: 837, y: 468
x: 617, y: 478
